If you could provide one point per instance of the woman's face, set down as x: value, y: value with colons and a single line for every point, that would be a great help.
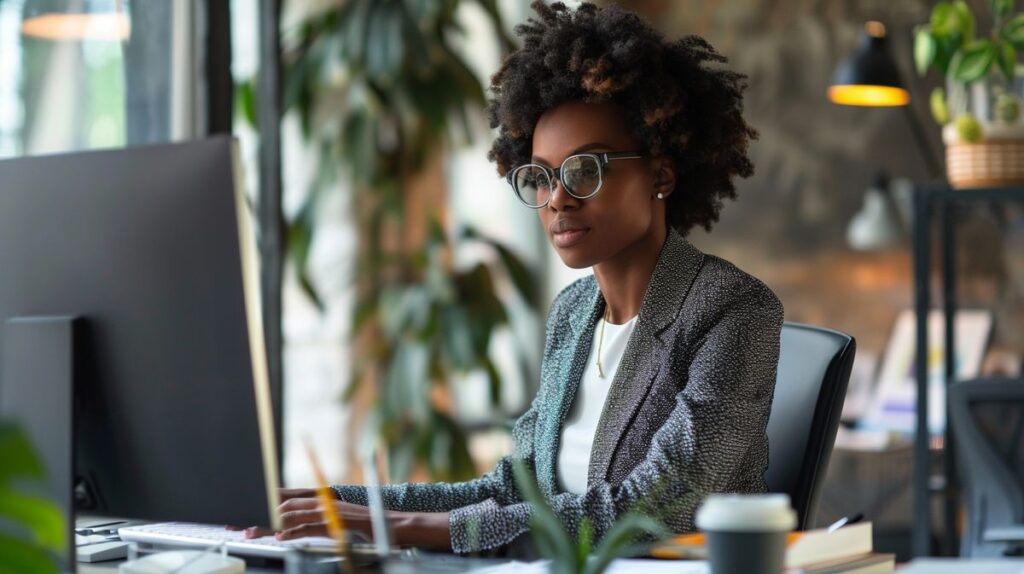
x: 625, y: 211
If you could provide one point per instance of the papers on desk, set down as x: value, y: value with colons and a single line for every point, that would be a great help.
x: 964, y: 566
x: 620, y: 566
x: 823, y: 551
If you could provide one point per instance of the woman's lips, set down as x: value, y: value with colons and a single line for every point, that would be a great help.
x: 569, y: 237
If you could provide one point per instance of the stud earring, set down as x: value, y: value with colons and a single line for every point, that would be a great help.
x: 661, y: 195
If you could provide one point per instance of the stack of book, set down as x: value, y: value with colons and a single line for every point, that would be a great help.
x: 845, y: 550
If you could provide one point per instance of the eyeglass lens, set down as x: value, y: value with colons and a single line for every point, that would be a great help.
x: 580, y: 175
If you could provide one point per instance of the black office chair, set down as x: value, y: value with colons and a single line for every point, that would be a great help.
x: 814, y: 370
x: 987, y: 421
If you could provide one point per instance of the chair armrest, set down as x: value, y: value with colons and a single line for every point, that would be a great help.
x: 1013, y: 533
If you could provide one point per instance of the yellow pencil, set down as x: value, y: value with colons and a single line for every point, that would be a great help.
x: 335, y: 524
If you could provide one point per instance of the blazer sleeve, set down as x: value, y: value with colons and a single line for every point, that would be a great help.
x: 497, y: 487
x: 497, y: 484
x: 706, y: 445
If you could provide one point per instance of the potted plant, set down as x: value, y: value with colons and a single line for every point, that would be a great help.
x: 980, y: 105
x: 32, y: 529
x: 579, y: 555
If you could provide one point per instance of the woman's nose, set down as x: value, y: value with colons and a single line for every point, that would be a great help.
x: 561, y: 199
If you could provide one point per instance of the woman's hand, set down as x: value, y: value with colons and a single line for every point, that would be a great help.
x: 284, y: 494
x: 305, y: 517
x: 302, y: 515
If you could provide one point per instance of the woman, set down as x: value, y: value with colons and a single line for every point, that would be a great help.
x: 660, y: 367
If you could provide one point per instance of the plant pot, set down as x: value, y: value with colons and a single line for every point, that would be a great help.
x: 990, y: 163
x: 997, y: 159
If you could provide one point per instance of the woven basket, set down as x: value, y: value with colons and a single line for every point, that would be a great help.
x: 992, y: 163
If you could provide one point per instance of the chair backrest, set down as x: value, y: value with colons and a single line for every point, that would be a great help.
x: 986, y: 417
x: 814, y: 370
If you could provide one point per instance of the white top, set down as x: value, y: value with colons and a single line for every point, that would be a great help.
x: 578, y: 432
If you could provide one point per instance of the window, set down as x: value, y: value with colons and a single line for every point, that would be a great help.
x: 95, y: 74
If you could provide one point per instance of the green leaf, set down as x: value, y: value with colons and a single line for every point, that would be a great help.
x: 300, y: 239
x: 548, y: 530
x: 924, y: 50
x: 406, y: 386
x: 620, y: 538
x: 401, y: 455
x: 946, y: 48
x: 395, y: 38
x: 1007, y: 60
x: 975, y: 61
x: 944, y: 19
x: 384, y: 43
x: 1001, y: 8
x: 38, y: 515
x: 245, y: 102
x: 938, y: 106
x: 494, y: 380
x: 19, y: 459
x: 1013, y: 31
x: 355, y: 25
x: 524, y: 280
x: 585, y: 540
x: 457, y: 340
x: 23, y: 558
x: 965, y: 21
x: 451, y: 456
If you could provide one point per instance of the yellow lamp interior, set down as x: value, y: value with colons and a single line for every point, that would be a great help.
x: 865, y: 95
x: 103, y: 26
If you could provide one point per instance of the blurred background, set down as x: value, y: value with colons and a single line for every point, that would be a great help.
x: 406, y: 286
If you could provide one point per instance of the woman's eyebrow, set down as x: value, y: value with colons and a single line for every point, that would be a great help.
x: 581, y: 149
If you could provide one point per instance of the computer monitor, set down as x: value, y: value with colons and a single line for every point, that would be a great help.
x: 131, y: 276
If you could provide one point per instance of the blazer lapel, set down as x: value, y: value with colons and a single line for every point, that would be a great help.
x: 673, y: 275
x: 569, y: 360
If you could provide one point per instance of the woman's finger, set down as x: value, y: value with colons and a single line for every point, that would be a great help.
x: 289, y: 493
x: 257, y: 532
x: 299, y: 517
x: 302, y: 530
x: 298, y: 504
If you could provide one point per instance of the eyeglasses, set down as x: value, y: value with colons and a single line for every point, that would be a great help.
x: 581, y: 176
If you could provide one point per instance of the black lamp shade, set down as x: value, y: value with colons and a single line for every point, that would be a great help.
x: 869, y: 77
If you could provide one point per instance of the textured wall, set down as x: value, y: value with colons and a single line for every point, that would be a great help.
x: 814, y: 159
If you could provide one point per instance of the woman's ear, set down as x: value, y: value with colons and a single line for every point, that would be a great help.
x: 664, y: 176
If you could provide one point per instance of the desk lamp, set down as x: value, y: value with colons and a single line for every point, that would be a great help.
x: 869, y: 77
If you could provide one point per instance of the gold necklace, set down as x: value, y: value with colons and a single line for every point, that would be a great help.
x: 600, y: 341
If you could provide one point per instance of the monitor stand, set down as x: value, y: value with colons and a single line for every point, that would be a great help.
x: 37, y: 393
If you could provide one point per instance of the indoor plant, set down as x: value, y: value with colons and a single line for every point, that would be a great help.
x: 382, y: 94
x: 578, y: 555
x: 32, y: 529
x: 980, y: 106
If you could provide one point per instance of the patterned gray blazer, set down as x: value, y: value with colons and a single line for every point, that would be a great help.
x: 688, y: 407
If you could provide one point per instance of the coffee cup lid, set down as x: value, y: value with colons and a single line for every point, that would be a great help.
x: 747, y: 513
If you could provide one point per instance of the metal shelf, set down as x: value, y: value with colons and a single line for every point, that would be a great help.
x: 944, y: 199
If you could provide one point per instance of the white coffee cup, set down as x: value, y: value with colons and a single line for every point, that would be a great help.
x: 746, y: 533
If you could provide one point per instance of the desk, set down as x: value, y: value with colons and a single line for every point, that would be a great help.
x: 430, y: 564
x: 452, y: 565
x: 958, y: 566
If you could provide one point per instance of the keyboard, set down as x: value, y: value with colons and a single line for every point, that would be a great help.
x: 190, y: 535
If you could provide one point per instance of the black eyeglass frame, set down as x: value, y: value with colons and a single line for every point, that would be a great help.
x: 554, y: 174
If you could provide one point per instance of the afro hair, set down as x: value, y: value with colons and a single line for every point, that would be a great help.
x: 678, y: 102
